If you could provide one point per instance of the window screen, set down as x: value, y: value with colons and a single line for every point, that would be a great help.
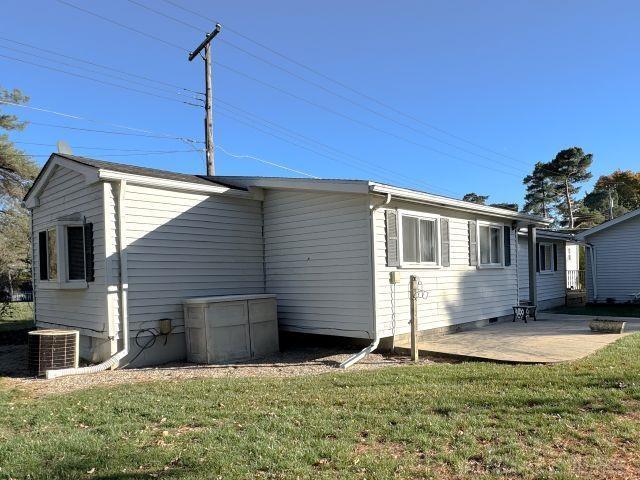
x: 410, y: 239
x: 428, y: 238
x: 75, y: 253
x: 52, y: 253
x: 485, y: 246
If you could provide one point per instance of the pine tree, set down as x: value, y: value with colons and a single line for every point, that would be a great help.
x: 475, y: 198
x: 541, y: 192
x: 567, y: 170
x: 17, y: 172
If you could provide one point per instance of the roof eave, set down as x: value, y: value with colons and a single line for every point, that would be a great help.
x: 437, y: 200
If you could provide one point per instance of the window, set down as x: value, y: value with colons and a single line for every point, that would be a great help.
x: 419, y: 240
x: 66, y: 255
x: 490, y: 244
x: 48, y: 257
x: 546, y: 258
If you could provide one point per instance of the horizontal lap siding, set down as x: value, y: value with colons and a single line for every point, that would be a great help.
x: 617, y: 260
x: 318, y: 261
x: 551, y: 286
x: 65, y: 194
x: 456, y: 294
x: 182, y: 245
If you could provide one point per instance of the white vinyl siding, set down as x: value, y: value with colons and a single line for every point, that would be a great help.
x: 617, y: 261
x: 66, y: 193
x: 457, y: 294
x: 551, y: 284
x: 318, y: 261
x: 182, y: 245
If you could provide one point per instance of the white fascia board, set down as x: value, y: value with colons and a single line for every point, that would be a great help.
x: 321, y: 185
x: 90, y: 175
x: 440, y: 201
x: 133, y: 179
x: 610, y: 223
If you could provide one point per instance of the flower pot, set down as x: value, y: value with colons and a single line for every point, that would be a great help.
x: 607, y: 326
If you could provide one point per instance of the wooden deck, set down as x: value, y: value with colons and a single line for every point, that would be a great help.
x: 552, y: 339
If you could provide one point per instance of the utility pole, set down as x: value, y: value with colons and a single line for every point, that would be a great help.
x: 208, y: 103
x: 610, y: 203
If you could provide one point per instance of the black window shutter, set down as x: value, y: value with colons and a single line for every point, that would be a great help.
x: 507, y: 246
x: 444, y: 242
x: 555, y: 257
x: 473, y: 243
x: 88, y: 252
x: 537, y: 257
x: 42, y: 256
x: 393, y: 257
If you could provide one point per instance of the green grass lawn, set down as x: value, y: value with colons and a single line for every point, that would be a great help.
x: 614, y: 310
x: 18, y: 315
x: 467, y: 420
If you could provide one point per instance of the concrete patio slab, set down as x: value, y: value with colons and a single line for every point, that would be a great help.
x: 553, y: 338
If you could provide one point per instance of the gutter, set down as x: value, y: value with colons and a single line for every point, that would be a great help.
x: 113, y: 361
x: 376, y: 340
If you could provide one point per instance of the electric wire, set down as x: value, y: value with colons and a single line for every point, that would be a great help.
x: 315, y: 84
x: 117, y: 77
x: 317, y: 105
x: 106, y: 67
x: 101, y: 122
x: 104, y: 82
x: 366, y: 96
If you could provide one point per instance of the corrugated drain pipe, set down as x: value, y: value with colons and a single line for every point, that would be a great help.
x: 367, y: 350
x: 114, y: 361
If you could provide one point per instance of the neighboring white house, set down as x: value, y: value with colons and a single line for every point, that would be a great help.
x: 118, y: 248
x: 613, y: 259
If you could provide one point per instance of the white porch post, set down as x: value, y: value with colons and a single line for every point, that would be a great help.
x: 533, y: 254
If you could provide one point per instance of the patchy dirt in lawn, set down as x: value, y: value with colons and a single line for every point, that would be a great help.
x: 294, y: 362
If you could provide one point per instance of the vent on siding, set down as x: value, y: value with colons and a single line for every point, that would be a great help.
x: 52, y: 350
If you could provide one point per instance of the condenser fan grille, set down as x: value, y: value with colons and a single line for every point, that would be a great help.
x: 52, y: 350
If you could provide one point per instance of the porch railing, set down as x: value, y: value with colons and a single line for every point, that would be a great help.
x: 576, y: 280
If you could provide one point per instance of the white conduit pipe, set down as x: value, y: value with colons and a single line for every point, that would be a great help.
x: 114, y: 361
x: 367, y: 350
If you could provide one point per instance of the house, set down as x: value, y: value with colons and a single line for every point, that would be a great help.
x: 613, y: 259
x: 555, y: 252
x: 118, y: 248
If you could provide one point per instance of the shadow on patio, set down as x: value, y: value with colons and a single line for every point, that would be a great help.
x: 553, y: 338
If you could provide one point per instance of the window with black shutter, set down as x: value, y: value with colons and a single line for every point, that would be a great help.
x: 75, y: 253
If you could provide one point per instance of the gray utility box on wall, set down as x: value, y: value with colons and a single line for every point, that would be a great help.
x: 230, y: 328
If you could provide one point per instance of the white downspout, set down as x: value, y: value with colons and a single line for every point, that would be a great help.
x: 376, y: 340
x: 114, y: 361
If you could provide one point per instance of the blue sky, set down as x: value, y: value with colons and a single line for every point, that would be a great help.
x: 511, y: 83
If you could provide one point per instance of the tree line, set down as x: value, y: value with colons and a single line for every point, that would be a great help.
x: 552, y: 191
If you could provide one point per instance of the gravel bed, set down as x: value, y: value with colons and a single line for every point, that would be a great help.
x: 291, y: 363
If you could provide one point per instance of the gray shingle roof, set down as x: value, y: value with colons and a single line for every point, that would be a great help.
x: 149, y: 172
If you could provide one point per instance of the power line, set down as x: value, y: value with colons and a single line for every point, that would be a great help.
x: 319, y: 86
x: 342, y: 84
x: 360, y: 122
x: 252, y: 157
x: 313, y: 141
x: 312, y: 150
x: 104, y: 82
x: 118, y: 77
x: 101, y: 122
x: 122, y: 25
x: 366, y: 124
x: 88, y: 62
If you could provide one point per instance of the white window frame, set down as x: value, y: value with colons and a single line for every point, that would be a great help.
x: 420, y: 216
x: 552, y: 264
x: 62, y: 281
x: 500, y: 227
